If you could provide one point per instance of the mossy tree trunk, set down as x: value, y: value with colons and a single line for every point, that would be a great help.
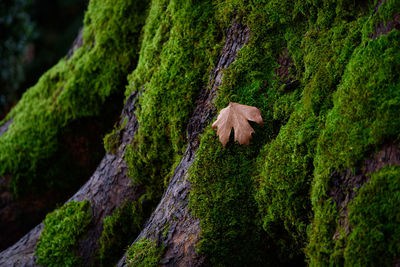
x: 319, y: 182
x: 109, y: 187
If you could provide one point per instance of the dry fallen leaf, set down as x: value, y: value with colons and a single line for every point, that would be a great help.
x: 236, y: 115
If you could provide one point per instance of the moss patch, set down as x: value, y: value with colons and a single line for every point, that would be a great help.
x: 144, y: 253
x: 221, y: 196
x: 119, y: 230
x: 58, y: 242
x: 254, y: 202
x: 324, y: 41
x: 284, y: 183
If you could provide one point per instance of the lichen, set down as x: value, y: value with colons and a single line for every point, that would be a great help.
x: 58, y: 242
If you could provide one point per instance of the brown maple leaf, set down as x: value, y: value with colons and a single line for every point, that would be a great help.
x: 236, y: 115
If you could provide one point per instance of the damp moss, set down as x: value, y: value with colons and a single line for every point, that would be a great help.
x: 58, y: 242
x: 222, y: 197
x: 119, y: 230
x: 362, y: 120
x: 179, y: 45
x: 222, y: 193
x: 253, y: 202
x: 74, y: 88
x: 322, y: 41
x: 287, y: 166
x: 144, y: 253
x: 284, y: 183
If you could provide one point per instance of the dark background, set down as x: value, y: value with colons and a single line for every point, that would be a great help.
x: 34, y: 35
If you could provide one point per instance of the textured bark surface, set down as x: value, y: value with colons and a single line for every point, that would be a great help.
x: 107, y: 189
x: 171, y: 224
x: 80, y: 150
x: 22, y: 252
x: 286, y: 70
x: 285, y: 62
x: 17, y: 217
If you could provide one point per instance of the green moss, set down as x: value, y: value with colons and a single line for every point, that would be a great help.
x: 112, y: 140
x: 74, y: 88
x: 363, y: 118
x: 58, y: 241
x: 288, y: 164
x: 179, y: 45
x: 284, y: 183
x: 144, y: 253
x: 119, y: 231
x: 384, y: 14
x: 221, y: 196
x: 254, y: 202
x: 321, y: 39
